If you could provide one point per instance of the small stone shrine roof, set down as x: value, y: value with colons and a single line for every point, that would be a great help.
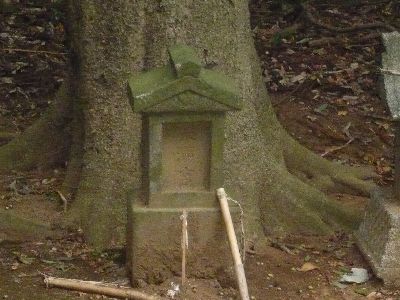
x: 183, y: 85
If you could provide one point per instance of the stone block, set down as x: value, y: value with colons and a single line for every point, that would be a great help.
x: 154, y: 243
x: 390, y: 81
x: 379, y: 237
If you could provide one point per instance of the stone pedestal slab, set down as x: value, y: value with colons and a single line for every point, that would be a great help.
x: 379, y: 237
x: 154, y: 243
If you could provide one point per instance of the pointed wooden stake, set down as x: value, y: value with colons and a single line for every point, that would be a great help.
x: 185, y: 245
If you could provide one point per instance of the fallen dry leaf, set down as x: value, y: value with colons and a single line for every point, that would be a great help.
x: 308, y: 267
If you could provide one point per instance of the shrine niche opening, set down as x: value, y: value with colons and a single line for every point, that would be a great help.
x: 186, y: 157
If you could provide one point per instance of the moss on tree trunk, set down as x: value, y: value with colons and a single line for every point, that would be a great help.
x: 279, y: 182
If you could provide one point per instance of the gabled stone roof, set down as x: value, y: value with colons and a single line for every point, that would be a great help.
x: 183, y: 85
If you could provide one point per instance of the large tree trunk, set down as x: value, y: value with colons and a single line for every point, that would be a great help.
x: 279, y: 182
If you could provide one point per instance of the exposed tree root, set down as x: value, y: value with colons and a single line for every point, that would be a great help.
x: 5, y: 136
x: 288, y: 198
x: 17, y: 228
x: 43, y: 144
x: 291, y: 203
x: 297, y: 188
x: 326, y: 175
x: 74, y: 166
x: 87, y: 210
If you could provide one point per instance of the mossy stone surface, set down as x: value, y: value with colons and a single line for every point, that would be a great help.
x: 185, y: 199
x: 379, y: 236
x: 162, y: 89
x: 154, y: 247
x: 390, y: 81
x: 185, y: 61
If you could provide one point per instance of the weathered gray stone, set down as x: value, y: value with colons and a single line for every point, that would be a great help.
x: 391, y: 72
x: 184, y: 108
x: 379, y: 234
x: 379, y: 237
x: 159, y: 89
x: 154, y: 243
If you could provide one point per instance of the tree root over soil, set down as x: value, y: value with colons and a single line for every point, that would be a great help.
x: 325, y: 175
x: 103, y: 137
x: 295, y: 188
x: 293, y: 205
x: 299, y: 189
x: 45, y: 143
x: 18, y: 228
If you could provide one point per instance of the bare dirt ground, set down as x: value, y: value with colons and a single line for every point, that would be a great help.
x: 324, y: 93
x: 310, y: 271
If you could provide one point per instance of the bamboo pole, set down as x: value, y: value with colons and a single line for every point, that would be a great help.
x: 239, y: 269
x: 95, y: 287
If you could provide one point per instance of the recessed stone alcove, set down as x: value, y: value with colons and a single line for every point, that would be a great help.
x: 186, y: 149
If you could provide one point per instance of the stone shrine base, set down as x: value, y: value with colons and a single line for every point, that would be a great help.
x: 379, y: 237
x: 154, y: 243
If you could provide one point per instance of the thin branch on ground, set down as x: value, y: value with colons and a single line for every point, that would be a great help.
x: 64, y: 201
x: 96, y: 287
x: 375, y: 116
x: 339, y: 40
x: 282, y: 247
x: 377, y: 25
x: 336, y: 148
x: 33, y: 51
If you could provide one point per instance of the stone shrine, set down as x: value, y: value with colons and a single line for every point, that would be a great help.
x: 183, y: 107
x: 379, y: 234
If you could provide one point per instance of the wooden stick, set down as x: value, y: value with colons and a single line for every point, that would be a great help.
x: 33, y: 51
x: 184, y: 245
x: 95, y: 287
x: 239, y: 269
x: 357, y: 27
x: 64, y: 200
x: 336, y: 148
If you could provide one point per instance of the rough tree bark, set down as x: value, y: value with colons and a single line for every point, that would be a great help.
x: 279, y: 182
